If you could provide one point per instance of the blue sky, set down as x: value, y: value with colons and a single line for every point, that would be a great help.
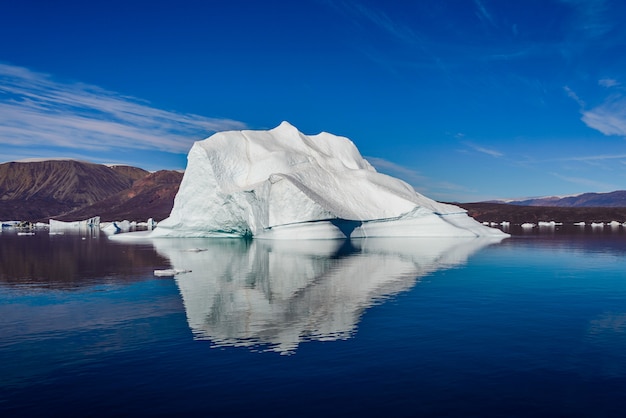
x: 466, y: 100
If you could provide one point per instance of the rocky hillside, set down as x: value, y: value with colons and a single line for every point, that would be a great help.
x: 149, y: 197
x: 62, y: 189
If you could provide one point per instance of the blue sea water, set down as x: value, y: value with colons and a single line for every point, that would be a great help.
x: 534, y: 325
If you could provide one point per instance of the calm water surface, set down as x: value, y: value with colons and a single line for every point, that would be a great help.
x: 534, y: 325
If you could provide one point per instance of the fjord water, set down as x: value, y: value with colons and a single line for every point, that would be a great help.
x: 533, y: 325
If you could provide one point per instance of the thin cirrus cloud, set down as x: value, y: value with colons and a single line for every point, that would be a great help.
x: 592, y: 18
x: 36, y: 110
x: 609, y: 117
x: 608, y: 82
x: 409, y: 175
x: 483, y: 14
x: 595, y: 185
x: 358, y: 12
x: 419, y: 182
x: 483, y: 150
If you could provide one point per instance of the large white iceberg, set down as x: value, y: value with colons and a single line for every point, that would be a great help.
x: 284, y: 184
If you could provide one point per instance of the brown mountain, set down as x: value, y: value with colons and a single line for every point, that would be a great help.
x: 131, y: 172
x: 72, y: 190
x: 612, y: 199
x: 149, y: 197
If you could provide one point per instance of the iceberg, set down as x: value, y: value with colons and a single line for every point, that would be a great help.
x: 55, y: 225
x: 117, y: 227
x: 283, y: 184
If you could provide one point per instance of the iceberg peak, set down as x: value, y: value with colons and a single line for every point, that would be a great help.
x: 284, y: 126
x: 282, y: 183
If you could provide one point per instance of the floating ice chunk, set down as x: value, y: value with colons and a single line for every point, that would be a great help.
x: 74, y: 225
x: 117, y: 227
x: 10, y: 224
x: 196, y: 250
x: 550, y: 224
x: 170, y: 272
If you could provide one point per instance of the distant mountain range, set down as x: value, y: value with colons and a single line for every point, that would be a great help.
x: 585, y: 200
x: 74, y: 190
x: 516, y: 214
x: 585, y: 207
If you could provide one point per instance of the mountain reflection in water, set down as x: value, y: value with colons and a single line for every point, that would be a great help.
x: 273, y: 295
x: 72, y: 261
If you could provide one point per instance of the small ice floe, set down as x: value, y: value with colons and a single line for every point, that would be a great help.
x: 150, y: 225
x: 117, y: 227
x: 196, y: 250
x: 580, y: 223
x: 505, y: 223
x: 614, y: 224
x: 170, y: 272
x: 10, y: 224
x: 25, y: 233
x: 528, y: 225
x: 550, y: 224
x: 56, y: 226
x: 109, y: 228
x: 597, y: 224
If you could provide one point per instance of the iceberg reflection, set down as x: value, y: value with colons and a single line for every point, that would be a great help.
x: 277, y: 294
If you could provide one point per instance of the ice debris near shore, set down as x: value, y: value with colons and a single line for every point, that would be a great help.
x: 282, y: 184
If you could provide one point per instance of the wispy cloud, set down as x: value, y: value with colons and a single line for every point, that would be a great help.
x: 378, y: 18
x: 571, y: 94
x: 409, y: 175
x: 483, y: 14
x: 609, y: 117
x: 608, y: 82
x: 435, y: 189
x: 37, y: 110
x: 600, y: 157
x: 588, y: 183
x: 481, y: 149
x: 592, y: 19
